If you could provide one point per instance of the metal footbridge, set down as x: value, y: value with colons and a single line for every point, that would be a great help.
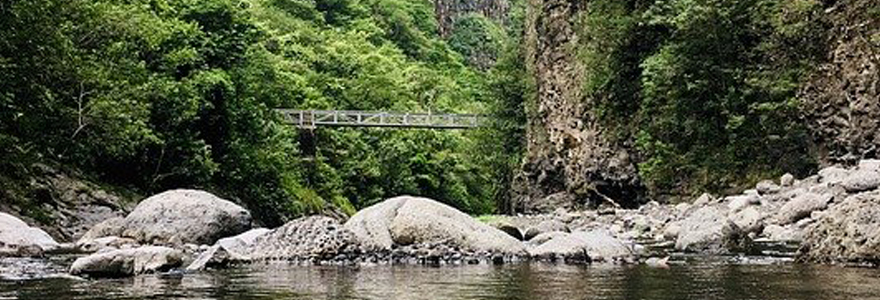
x: 310, y: 119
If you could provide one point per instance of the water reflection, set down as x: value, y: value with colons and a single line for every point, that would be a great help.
x: 691, y: 280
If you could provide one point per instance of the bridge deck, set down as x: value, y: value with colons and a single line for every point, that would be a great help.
x: 342, y: 118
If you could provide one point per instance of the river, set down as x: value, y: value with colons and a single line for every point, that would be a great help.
x: 686, y: 278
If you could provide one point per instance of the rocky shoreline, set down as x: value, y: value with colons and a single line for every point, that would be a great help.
x: 832, y: 217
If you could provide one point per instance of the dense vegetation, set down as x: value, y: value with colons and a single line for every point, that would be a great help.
x: 159, y: 94
x: 704, y: 90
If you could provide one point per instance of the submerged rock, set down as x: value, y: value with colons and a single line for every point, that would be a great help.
x: 19, y: 239
x: 848, y: 232
x: 409, y: 220
x: 128, y: 262
x: 178, y: 217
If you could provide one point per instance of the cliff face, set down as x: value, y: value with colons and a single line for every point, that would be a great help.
x: 569, y: 161
x: 446, y: 11
x: 842, y: 100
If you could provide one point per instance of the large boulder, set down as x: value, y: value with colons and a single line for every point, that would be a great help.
x: 19, y: 239
x: 848, y: 232
x: 128, y: 262
x: 408, y: 220
x: 185, y: 216
x: 749, y: 220
x: 595, y: 246
x: 308, y: 238
x: 708, y: 230
x: 862, y: 180
x: 801, y: 207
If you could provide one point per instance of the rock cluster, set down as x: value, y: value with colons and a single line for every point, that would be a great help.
x: 834, y: 215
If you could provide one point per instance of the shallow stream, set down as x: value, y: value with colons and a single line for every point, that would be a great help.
x: 686, y: 278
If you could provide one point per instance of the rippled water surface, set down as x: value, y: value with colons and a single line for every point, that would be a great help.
x: 695, y: 279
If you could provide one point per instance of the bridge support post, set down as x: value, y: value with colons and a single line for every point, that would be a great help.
x: 308, y: 144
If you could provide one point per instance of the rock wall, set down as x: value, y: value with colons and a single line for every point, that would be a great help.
x: 842, y: 100
x: 446, y: 11
x: 569, y: 161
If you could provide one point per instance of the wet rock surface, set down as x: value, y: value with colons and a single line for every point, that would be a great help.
x: 128, y: 262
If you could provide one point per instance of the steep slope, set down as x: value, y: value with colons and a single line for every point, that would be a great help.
x: 842, y: 100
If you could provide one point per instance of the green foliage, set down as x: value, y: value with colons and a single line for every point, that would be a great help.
x: 159, y: 94
x: 479, y: 39
x: 709, y: 84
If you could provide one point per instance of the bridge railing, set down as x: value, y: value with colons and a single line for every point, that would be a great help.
x: 348, y: 118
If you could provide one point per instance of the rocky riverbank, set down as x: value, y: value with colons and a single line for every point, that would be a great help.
x: 831, y: 217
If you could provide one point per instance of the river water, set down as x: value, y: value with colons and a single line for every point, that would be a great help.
x: 686, y: 278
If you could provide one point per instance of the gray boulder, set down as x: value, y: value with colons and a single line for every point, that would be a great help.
x: 749, y: 220
x: 736, y: 203
x: 240, y: 244
x: 408, y: 220
x: 704, y: 199
x: 869, y: 165
x: 545, y: 237
x: 128, y: 262
x: 767, y: 187
x: 594, y: 246
x: 672, y: 230
x: 307, y: 238
x: 833, y: 174
x: 109, y: 227
x: 19, y: 239
x: 709, y: 230
x: 545, y: 226
x: 787, y: 180
x: 790, y: 233
x: 860, y: 181
x: 95, y: 245
x: 178, y: 217
x: 848, y: 232
x: 801, y: 207
x: 215, y: 257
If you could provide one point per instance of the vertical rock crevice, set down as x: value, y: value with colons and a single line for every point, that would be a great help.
x: 569, y: 161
